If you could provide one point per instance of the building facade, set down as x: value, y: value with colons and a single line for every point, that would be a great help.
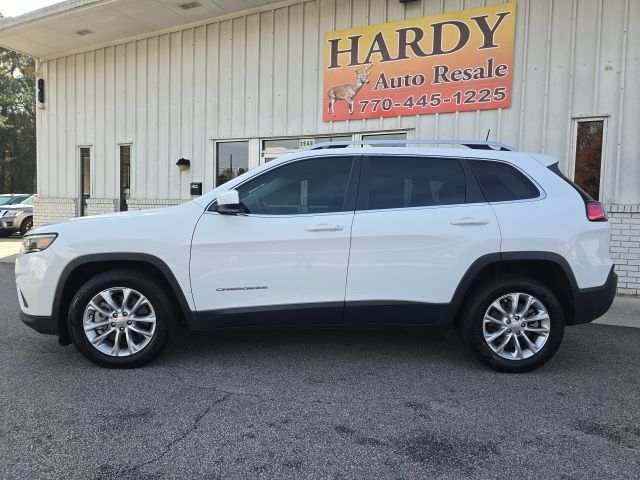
x: 125, y: 96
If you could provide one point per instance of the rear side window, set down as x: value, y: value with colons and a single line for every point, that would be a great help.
x: 403, y: 182
x: 501, y: 182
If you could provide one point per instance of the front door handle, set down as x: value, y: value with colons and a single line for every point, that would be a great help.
x: 470, y: 221
x: 324, y: 227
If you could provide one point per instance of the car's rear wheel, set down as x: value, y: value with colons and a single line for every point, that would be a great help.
x: 514, y: 325
x: 121, y: 319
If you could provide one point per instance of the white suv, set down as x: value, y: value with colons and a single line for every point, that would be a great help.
x: 493, y: 241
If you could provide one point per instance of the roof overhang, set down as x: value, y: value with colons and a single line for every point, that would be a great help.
x: 75, y: 25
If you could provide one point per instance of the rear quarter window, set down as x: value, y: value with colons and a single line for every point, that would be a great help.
x: 501, y: 182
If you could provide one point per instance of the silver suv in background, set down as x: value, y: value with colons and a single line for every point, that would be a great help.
x: 17, y: 217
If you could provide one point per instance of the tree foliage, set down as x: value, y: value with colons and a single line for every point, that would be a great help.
x: 17, y: 124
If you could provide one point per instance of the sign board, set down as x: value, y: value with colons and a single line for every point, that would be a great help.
x: 444, y: 63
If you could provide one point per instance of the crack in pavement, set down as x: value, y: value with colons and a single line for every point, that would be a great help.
x: 216, y: 389
x: 254, y: 395
x: 178, y: 439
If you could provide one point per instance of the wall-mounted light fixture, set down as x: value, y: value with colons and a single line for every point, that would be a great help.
x: 183, y: 164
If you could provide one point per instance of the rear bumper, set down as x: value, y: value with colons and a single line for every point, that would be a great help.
x: 592, y: 303
x: 46, y: 325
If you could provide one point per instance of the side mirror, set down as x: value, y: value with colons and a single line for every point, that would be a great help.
x: 228, y: 203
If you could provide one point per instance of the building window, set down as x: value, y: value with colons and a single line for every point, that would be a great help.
x: 232, y: 160
x: 588, y: 159
x: 125, y: 176
x: 85, y: 179
x: 274, y: 148
x: 387, y: 136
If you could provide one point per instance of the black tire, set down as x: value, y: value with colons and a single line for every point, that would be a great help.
x: 473, y: 318
x: 27, y: 225
x: 165, y: 313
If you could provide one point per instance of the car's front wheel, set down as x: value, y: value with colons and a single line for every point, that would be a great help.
x: 121, y: 319
x: 514, y: 325
x: 26, y: 226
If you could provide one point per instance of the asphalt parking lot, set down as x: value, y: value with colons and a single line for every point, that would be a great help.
x: 318, y: 404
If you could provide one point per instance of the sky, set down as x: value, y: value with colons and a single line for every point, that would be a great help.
x: 13, y: 8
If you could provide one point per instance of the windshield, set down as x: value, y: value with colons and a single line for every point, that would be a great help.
x: 5, y: 199
x: 28, y: 201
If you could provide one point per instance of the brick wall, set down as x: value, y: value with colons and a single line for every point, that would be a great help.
x: 145, y: 203
x: 625, y: 246
x: 53, y: 210
x: 98, y: 206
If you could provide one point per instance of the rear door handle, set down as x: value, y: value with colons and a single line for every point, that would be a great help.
x: 324, y: 227
x: 470, y: 221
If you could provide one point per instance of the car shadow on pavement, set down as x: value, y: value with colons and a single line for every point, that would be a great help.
x: 345, y: 343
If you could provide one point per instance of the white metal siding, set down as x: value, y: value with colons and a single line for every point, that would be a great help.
x: 260, y: 75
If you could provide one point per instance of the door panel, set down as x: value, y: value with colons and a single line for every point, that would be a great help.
x: 418, y: 254
x: 250, y: 261
x: 414, y: 237
x: 288, y: 251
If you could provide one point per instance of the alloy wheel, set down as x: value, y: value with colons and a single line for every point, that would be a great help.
x: 119, y: 321
x: 516, y: 326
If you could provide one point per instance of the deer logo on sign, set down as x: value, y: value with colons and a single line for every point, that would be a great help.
x: 347, y: 91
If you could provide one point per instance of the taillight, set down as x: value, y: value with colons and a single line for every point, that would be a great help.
x: 595, y: 212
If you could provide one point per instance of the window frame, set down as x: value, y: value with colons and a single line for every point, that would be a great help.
x: 473, y: 193
x: 350, y: 195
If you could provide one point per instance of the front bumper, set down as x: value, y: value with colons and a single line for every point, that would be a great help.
x: 592, y: 303
x: 8, y: 224
x: 46, y: 325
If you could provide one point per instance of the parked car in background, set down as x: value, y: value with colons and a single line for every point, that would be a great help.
x: 17, y: 218
x: 13, y: 198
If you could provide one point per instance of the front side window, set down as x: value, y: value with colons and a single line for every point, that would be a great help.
x: 404, y: 182
x: 501, y: 182
x: 311, y: 186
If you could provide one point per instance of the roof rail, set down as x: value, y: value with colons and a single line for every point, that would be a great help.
x: 473, y: 144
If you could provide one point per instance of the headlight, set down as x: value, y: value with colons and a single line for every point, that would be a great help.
x: 38, y: 242
x: 12, y: 213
